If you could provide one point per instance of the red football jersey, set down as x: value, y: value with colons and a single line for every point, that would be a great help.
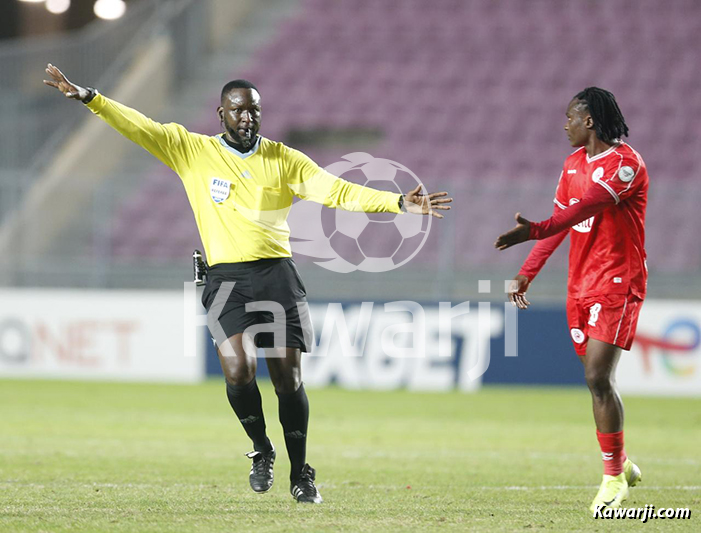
x: 607, y: 251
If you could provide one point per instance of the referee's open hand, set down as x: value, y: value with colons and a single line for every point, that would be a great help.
x: 60, y: 82
x: 426, y: 204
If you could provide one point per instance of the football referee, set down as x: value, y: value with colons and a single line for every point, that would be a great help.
x: 241, y: 186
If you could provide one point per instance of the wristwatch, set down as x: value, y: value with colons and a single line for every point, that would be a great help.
x: 401, y: 203
x: 92, y: 93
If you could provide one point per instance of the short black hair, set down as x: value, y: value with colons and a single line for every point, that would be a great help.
x: 237, y: 84
x: 609, y: 123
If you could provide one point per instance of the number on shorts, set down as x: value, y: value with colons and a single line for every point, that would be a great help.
x: 594, y: 314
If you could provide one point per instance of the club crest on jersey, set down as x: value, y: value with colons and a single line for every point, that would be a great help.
x: 219, y: 189
x: 585, y: 225
x: 626, y: 174
x: 598, y: 174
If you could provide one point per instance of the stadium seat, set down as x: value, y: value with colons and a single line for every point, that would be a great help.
x: 496, y: 121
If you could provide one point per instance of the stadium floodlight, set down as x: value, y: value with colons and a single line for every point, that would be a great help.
x: 57, y: 6
x: 109, y: 9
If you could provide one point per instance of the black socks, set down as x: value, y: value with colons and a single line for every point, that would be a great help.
x: 246, y: 402
x: 294, y: 417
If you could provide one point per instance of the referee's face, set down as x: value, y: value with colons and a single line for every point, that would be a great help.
x: 240, y: 114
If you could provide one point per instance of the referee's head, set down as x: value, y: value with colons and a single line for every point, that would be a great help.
x: 237, y: 84
x: 240, y: 113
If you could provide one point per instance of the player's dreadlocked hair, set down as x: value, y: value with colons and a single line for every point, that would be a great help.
x: 609, y: 123
x: 237, y: 84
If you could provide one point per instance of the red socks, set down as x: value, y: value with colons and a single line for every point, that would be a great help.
x: 612, y: 452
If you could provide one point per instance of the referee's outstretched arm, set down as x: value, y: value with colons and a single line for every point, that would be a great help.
x: 171, y: 143
x: 308, y: 181
x: 176, y: 147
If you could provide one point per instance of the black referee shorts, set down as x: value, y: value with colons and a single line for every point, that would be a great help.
x: 276, y: 298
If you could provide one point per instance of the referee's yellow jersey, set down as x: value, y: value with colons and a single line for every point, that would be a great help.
x: 240, y: 201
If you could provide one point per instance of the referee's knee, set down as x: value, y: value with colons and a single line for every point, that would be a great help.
x: 288, y: 384
x: 239, y: 375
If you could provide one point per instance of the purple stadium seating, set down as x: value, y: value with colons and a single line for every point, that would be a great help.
x: 471, y: 96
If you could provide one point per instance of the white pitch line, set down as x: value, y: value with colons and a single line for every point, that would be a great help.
x: 586, y: 487
x: 549, y: 456
x: 343, y: 485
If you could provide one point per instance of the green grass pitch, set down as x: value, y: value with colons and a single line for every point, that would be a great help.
x: 93, y: 457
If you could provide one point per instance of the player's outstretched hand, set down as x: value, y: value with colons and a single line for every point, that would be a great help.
x: 517, y: 291
x: 60, y: 82
x: 515, y: 236
x: 426, y: 204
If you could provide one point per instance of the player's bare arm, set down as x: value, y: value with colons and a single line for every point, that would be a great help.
x: 426, y: 204
x: 59, y: 81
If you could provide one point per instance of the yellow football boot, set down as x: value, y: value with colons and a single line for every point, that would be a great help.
x: 632, y: 472
x: 612, y: 493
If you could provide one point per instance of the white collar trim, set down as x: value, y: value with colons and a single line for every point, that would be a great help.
x: 242, y: 155
x: 604, y: 154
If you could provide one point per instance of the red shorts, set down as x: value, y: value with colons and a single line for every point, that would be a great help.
x: 610, y: 318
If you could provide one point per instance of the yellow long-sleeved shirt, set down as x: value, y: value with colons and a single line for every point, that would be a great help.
x: 240, y: 201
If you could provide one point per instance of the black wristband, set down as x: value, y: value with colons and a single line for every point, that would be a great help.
x: 92, y: 93
x: 401, y: 203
